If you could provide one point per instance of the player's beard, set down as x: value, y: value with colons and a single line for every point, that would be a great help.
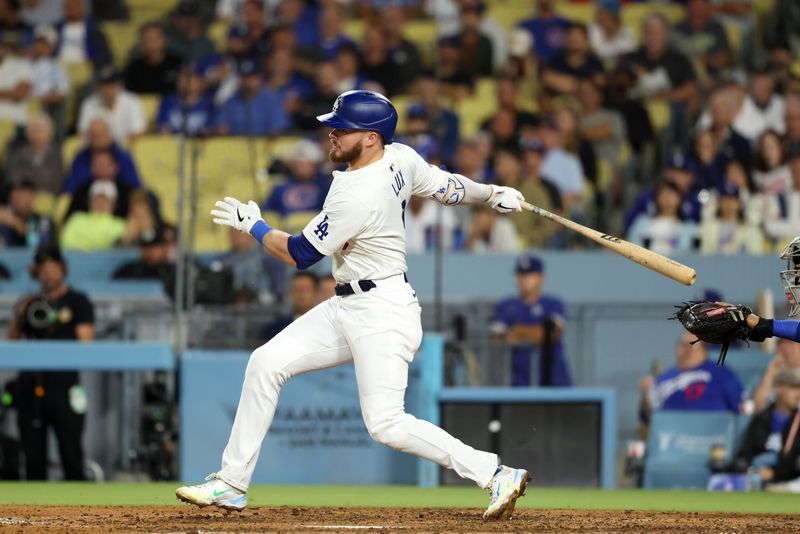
x: 337, y: 155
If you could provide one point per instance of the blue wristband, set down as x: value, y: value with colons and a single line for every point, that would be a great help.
x: 259, y: 230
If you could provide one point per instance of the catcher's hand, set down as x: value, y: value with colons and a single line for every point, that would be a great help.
x: 715, y: 322
x: 236, y: 214
x: 505, y: 199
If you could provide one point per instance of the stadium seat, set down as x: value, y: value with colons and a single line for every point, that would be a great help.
x: 749, y: 366
x: 475, y: 109
x: 679, y: 444
x: 157, y: 157
x: 218, y: 33
x: 7, y: 131
x: 583, y: 13
x: 354, y: 29
x: 633, y: 14
x: 658, y: 110
x: 510, y: 13
x: 150, y: 104
x: 69, y: 148
x: 121, y: 37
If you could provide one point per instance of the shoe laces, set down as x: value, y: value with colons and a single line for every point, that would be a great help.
x: 210, y: 479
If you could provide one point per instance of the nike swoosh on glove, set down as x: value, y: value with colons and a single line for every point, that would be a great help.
x: 236, y: 214
x: 505, y: 199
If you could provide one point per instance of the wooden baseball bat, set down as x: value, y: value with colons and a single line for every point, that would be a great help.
x: 646, y: 258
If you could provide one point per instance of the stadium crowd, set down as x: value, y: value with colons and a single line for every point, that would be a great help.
x: 687, y: 138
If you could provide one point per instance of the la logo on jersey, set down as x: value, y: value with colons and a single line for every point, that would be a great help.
x: 322, y: 229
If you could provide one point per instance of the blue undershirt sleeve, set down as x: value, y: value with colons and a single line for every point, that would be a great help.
x: 303, y: 252
x: 788, y: 329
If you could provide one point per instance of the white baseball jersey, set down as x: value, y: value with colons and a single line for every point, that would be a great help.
x: 362, y: 223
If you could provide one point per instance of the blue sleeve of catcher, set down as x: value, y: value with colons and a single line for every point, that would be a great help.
x: 788, y: 329
x: 303, y: 252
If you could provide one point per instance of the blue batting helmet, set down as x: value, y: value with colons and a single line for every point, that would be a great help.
x: 363, y: 110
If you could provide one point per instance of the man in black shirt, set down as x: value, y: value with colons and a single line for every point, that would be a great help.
x: 153, y: 69
x: 153, y: 263
x: 51, y: 398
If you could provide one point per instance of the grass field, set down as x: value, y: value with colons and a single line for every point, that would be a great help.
x: 159, y: 494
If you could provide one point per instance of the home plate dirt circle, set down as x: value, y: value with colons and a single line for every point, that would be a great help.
x: 174, y: 519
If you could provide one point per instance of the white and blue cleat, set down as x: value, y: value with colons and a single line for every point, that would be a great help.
x: 215, y: 492
x: 506, y: 486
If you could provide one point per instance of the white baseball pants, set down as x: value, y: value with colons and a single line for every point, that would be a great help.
x: 379, y: 331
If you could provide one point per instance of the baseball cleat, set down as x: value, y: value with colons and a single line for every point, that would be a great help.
x: 506, y: 486
x: 216, y: 491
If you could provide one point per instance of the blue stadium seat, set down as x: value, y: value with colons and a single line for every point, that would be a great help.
x: 749, y: 366
x: 679, y: 444
x: 742, y: 422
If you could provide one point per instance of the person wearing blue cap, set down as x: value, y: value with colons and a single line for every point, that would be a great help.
x: 532, y: 321
x: 254, y: 109
x: 729, y: 232
x: 190, y: 109
x: 417, y: 134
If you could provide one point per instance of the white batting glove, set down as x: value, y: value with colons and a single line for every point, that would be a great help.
x: 236, y: 214
x: 505, y: 199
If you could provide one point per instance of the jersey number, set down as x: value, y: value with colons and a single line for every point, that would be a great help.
x: 403, y: 213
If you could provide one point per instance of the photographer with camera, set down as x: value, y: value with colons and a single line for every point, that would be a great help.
x: 51, y: 398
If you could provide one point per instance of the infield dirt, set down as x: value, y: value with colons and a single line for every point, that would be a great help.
x: 172, y: 519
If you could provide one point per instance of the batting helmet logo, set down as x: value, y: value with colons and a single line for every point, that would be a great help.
x: 363, y: 110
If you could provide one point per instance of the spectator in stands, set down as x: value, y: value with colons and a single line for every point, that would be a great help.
x: 722, y: 121
x: 326, y: 81
x: 20, y: 226
x: 50, y: 82
x: 302, y: 296
x: 283, y: 78
x: 377, y: 64
x: 151, y: 68
x: 665, y: 231
x: 52, y: 399
x: 456, y: 82
x: 153, y: 262
x: 37, y: 13
x: 763, y: 108
x: 428, y: 227
x: 190, y: 109
x: 141, y: 218
x: 447, y: 14
x: 305, y: 187
x: 103, y: 168
x: 98, y: 228
x: 220, y: 72
x: 476, y: 48
x: 792, y: 121
x: 637, y: 120
x: 471, y: 160
x: 561, y: 167
x: 99, y: 139
x: 506, y: 95
x: 503, y: 128
x: 782, y: 217
x: 602, y: 127
x: 303, y: 17
x: 121, y: 109
x: 348, y: 65
x: 444, y: 124
x: 755, y: 203
x: 327, y: 287
x: 16, y: 79
x: 80, y: 39
x: 331, y: 31
x: 14, y: 32
x: 547, y: 29
x: 533, y: 319
x: 254, y: 273
x: 566, y: 119
x: 257, y: 33
x: 708, y: 160
x: 764, y: 438
x: 680, y: 173
x: 533, y: 230
x: 254, y: 109
x: 703, y: 37
x: 771, y: 173
x: 417, y: 134
x: 488, y: 233
x: 187, y: 38
x: 787, y: 357
x: 38, y: 160
x: 695, y: 383
x: 608, y: 37
x: 664, y: 73
x: 576, y: 62
x: 730, y: 232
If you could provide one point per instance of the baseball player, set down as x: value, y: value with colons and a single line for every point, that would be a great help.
x: 374, y: 319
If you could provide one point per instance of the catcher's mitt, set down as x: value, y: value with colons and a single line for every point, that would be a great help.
x: 714, y: 323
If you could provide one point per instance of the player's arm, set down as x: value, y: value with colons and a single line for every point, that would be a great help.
x: 449, y: 189
x: 761, y: 329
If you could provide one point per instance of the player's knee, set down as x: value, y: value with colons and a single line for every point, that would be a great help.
x: 262, y: 368
x: 389, y: 431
